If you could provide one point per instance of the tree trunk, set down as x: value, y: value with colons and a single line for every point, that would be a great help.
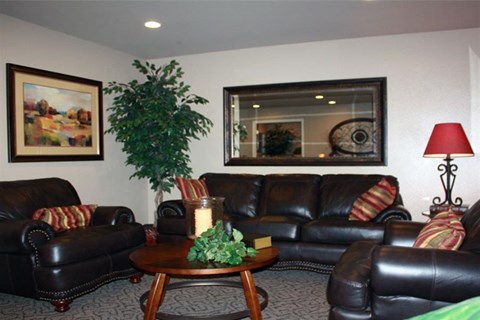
x: 158, y: 197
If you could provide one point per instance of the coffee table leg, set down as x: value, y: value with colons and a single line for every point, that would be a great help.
x: 251, y: 295
x: 156, y: 295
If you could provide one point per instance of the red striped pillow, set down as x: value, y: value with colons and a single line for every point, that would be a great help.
x: 444, y: 231
x: 64, y: 218
x: 374, y: 201
x: 191, y: 189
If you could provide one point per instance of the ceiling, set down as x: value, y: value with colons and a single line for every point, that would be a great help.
x: 192, y: 27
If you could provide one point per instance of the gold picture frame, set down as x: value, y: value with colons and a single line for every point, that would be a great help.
x: 53, y: 116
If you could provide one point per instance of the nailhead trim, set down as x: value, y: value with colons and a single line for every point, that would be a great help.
x: 302, y: 265
x: 117, y: 276
x: 33, y: 244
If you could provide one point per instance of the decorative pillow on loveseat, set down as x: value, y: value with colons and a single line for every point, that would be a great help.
x: 191, y: 189
x: 375, y: 200
x: 64, y: 218
x: 444, y: 231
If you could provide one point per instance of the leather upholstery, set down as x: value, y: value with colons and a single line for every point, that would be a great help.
x: 349, y: 281
x: 399, y: 281
x: 338, y: 192
x: 340, y: 230
x: 280, y: 227
x: 36, y: 262
x: 241, y: 191
x: 306, y: 214
x: 290, y: 195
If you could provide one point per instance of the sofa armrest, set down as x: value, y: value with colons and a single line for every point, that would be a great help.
x: 401, y: 233
x: 171, y: 209
x: 430, y: 274
x: 396, y: 212
x: 112, y: 215
x: 24, y: 236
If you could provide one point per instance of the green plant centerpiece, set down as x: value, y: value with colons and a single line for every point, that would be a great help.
x: 155, y: 122
x: 217, y: 246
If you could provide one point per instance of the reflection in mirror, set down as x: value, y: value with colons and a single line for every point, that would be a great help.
x: 338, y: 122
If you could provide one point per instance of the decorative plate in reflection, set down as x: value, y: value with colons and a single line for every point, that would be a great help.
x: 353, y: 136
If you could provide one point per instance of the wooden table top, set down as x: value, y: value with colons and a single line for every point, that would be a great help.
x: 171, y: 259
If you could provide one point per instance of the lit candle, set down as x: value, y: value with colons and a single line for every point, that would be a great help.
x: 203, y: 220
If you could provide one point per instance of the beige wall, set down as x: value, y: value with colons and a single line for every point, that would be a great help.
x: 99, y: 182
x: 431, y: 78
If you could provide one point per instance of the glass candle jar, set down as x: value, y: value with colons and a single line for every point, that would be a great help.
x: 201, y: 214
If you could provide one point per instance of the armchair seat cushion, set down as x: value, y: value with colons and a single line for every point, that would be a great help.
x: 279, y: 227
x: 341, y: 230
x: 82, y: 244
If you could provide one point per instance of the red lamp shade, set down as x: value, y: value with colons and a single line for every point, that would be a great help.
x: 448, y: 140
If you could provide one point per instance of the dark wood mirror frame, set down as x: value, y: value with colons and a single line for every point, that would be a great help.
x: 352, y: 131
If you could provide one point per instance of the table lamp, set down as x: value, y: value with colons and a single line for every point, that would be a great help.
x: 448, y: 141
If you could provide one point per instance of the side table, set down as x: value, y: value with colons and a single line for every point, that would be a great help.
x: 436, y: 209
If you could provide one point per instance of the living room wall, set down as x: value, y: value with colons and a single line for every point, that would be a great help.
x: 431, y: 78
x: 99, y: 182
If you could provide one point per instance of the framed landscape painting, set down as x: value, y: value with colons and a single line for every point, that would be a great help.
x: 53, y: 116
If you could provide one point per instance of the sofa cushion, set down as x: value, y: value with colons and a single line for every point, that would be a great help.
x: 340, y: 230
x: 279, y: 227
x: 290, y: 195
x: 375, y: 200
x: 191, y: 189
x: 241, y: 191
x: 339, y: 192
x: 444, y: 231
x: 78, y: 245
x: 64, y: 218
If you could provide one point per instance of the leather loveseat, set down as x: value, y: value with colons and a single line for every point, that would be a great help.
x: 306, y: 214
x: 40, y: 263
x: 393, y: 280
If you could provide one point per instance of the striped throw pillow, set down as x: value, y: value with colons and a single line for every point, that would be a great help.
x: 374, y: 201
x: 444, y: 231
x: 64, y: 218
x: 191, y: 189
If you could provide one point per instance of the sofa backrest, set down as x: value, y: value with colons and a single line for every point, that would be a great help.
x: 241, y: 191
x: 19, y: 199
x: 471, y: 223
x: 338, y: 192
x: 290, y: 194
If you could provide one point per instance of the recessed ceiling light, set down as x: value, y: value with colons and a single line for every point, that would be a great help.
x: 332, y: 102
x: 319, y: 97
x: 256, y: 106
x: 152, y: 24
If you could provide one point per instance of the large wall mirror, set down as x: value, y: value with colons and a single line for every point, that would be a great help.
x: 338, y: 122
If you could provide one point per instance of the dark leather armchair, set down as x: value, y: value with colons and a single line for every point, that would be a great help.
x: 395, y: 281
x: 39, y: 263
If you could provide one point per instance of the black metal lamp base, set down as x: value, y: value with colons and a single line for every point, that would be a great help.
x: 448, y: 180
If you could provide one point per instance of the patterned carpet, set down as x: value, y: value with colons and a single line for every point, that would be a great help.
x: 293, y: 294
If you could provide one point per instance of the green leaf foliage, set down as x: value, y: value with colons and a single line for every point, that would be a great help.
x: 155, y: 122
x: 215, y: 245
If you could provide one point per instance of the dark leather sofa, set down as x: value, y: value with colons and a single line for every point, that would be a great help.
x: 395, y: 281
x: 306, y: 214
x: 39, y: 263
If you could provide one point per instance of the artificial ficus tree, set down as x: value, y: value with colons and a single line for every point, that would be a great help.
x: 155, y: 122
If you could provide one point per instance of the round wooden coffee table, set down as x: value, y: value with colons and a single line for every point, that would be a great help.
x: 170, y: 259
